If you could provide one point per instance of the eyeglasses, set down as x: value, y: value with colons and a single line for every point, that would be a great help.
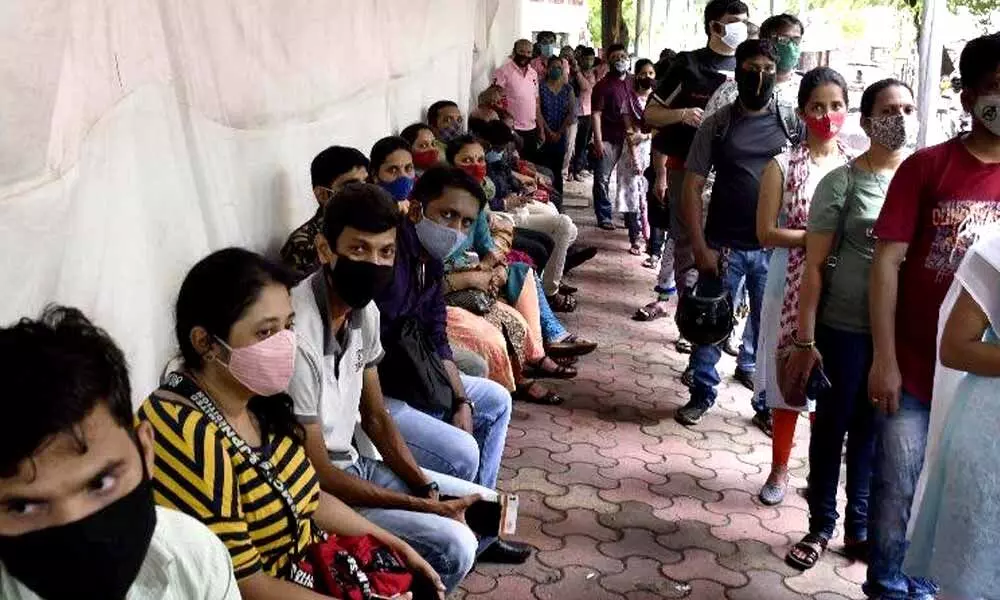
x: 788, y: 39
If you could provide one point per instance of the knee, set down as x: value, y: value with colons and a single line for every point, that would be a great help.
x: 567, y: 227
x: 457, y: 555
x: 492, y: 399
x: 463, y: 456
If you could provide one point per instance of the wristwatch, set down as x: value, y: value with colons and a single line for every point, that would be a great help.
x: 460, y: 400
x: 427, y: 490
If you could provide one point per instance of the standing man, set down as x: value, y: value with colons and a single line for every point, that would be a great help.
x: 585, y: 82
x: 520, y: 85
x: 609, y: 101
x: 676, y: 109
x: 738, y: 142
x: 940, y: 201
x: 547, y: 48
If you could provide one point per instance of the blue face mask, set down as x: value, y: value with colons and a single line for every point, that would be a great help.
x: 399, y: 187
x: 548, y: 50
x: 494, y: 156
x: 438, y: 240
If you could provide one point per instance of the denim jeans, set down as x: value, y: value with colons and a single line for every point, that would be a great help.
x: 449, y: 546
x: 842, y: 410
x: 899, y: 457
x: 634, y: 225
x: 442, y: 447
x: 602, y: 179
x: 750, y: 265
x: 552, y: 328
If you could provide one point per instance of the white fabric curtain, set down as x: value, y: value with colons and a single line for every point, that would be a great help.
x: 136, y: 137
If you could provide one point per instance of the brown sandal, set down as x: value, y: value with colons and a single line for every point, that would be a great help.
x: 523, y: 393
x: 538, y: 371
x: 562, y: 303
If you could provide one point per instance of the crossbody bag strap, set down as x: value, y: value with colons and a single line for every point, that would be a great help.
x: 833, y: 259
x: 185, y: 388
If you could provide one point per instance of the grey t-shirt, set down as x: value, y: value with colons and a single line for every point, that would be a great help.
x: 845, y: 300
x: 739, y: 158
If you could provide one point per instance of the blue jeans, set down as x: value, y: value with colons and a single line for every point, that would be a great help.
x: 444, y: 448
x: 899, y: 456
x: 842, y: 410
x: 602, y: 179
x: 552, y: 328
x: 449, y: 546
x: 740, y: 265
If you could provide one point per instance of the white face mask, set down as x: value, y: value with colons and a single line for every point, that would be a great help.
x: 736, y: 34
x: 987, y: 111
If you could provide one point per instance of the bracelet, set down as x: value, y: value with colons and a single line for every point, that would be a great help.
x: 803, y: 345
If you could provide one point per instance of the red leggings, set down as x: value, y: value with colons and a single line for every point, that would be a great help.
x: 783, y: 422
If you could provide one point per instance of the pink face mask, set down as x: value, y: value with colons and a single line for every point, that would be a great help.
x: 265, y: 368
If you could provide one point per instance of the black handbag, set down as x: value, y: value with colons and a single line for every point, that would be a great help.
x: 412, y: 371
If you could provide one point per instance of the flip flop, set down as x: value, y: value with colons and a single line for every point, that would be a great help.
x: 523, y: 394
x: 650, y: 312
x: 571, y: 346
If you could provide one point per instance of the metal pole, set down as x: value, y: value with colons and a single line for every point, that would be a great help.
x: 930, y: 47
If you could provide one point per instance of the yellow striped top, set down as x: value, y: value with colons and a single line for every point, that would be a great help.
x: 198, y: 472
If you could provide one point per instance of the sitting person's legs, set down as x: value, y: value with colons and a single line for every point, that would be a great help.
x: 564, y: 232
x: 471, y: 363
x: 490, y: 420
x: 535, y: 244
x: 435, y: 444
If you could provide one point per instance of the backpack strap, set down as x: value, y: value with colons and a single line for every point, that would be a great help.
x: 790, y: 123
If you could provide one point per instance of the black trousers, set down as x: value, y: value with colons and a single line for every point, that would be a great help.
x: 529, y: 150
x: 535, y: 244
x: 581, y: 145
x: 552, y: 155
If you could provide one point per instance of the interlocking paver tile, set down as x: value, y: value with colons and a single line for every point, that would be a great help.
x: 643, y: 575
x: 636, y: 490
x: 582, y: 522
x: 702, y: 564
x: 582, y: 551
x: 763, y: 584
x: 581, y: 496
x: 639, y: 542
x: 625, y: 503
x: 637, y: 515
x: 682, y: 484
x: 634, y: 468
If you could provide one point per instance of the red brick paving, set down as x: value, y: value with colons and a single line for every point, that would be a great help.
x: 624, y: 503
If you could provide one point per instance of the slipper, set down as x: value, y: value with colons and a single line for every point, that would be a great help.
x: 523, y: 393
x: 561, y: 371
x: 635, y: 250
x: 650, y: 312
x: 811, y: 547
x: 571, y: 346
x: 773, y: 494
x: 651, y: 262
x: 607, y: 226
x: 563, y: 303
x: 568, y: 290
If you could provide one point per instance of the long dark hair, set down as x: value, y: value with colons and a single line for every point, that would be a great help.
x: 215, y: 294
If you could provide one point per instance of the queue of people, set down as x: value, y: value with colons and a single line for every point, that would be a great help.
x: 332, y: 418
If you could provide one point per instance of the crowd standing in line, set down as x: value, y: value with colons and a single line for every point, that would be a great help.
x: 362, y: 390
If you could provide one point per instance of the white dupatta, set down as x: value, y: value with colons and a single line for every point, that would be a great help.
x: 979, y: 274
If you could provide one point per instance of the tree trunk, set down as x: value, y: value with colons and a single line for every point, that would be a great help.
x: 611, y: 22
x: 641, y: 26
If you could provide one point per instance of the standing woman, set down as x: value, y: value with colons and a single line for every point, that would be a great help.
x: 956, y: 527
x: 786, y: 191
x: 557, y: 112
x: 632, y: 185
x: 839, y: 251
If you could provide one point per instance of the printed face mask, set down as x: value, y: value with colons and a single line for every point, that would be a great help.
x: 987, y: 111
x: 438, y: 240
x: 264, y: 368
x: 450, y: 132
x: 895, y: 132
x: 620, y: 66
x: 735, y: 34
x: 827, y: 126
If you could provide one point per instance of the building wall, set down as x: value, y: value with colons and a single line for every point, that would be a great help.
x: 567, y: 18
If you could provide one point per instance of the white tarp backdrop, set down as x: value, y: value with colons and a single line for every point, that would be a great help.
x: 136, y: 136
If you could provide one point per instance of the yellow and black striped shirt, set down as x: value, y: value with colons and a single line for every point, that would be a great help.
x: 198, y: 472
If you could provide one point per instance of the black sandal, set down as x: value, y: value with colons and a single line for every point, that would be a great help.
x: 650, y: 312
x: 523, y: 393
x: 561, y: 371
x: 572, y: 345
x: 811, y: 547
x: 562, y: 303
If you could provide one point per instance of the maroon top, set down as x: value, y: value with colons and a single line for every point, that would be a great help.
x: 611, y: 96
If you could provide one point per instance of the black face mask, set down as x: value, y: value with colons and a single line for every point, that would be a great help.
x: 645, y: 83
x: 521, y: 61
x: 98, y: 556
x: 357, y: 282
x: 755, y: 88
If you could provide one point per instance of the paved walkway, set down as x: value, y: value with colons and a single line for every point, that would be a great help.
x: 624, y: 503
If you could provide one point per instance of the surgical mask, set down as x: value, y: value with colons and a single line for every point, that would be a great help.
x: 264, y: 368
x: 358, y: 282
x: 826, y: 127
x: 735, y: 34
x: 987, y: 110
x: 494, y: 156
x: 98, y: 556
x: 755, y: 88
x: 425, y: 159
x: 788, y: 55
x: 895, y: 132
x: 399, y: 188
x: 438, y: 240
x: 645, y: 82
x: 548, y: 50
x: 620, y: 66
x: 476, y: 170
x: 555, y: 73
x: 451, y: 132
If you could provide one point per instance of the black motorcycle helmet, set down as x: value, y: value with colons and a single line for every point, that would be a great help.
x: 705, y: 312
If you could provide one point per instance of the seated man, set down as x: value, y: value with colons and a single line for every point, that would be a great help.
x: 447, y: 123
x: 330, y: 170
x: 79, y: 519
x: 336, y: 385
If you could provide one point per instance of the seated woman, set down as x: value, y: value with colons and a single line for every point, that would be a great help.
x: 421, y: 139
x: 224, y: 408
x: 492, y: 104
x: 512, y: 196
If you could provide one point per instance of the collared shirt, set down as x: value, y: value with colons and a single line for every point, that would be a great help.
x: 612, y: 97
x: 416, y: 291
x: 185, y: 561
x: 329, y: 369
x: 586, y: 81
x: 521, y: 89
x: 299, y: 252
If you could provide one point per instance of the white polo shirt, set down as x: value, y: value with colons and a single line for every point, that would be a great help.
x: 184, y: 561
x: 329, y: 369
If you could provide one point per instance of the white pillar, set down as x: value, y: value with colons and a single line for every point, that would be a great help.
x: 929, y: 77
